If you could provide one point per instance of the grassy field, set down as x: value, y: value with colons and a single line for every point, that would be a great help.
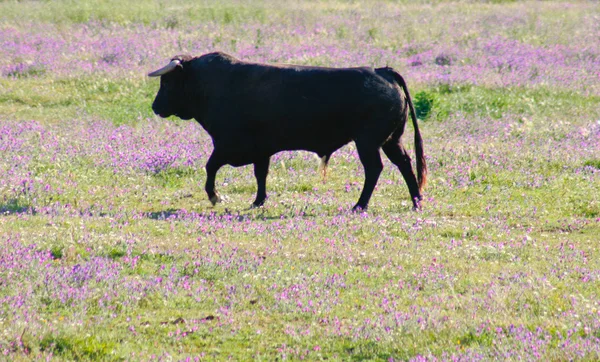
x: 110, y: 249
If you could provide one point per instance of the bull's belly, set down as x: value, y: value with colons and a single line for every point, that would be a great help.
x: 316, y: 140
x: 241, y: 156
x: 320, y: 149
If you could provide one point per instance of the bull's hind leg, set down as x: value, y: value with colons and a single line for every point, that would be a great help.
x: 371, y: 160
x: 212, y: 166
x: 261, y: 169
x: 396, y: 152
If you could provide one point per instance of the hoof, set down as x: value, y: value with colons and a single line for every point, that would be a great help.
x: 257, y: 204
x: 214, y: 199
x: 358, y: 209
x: 417, y: 203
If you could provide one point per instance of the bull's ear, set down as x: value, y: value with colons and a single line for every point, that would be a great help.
x: 166, y: 69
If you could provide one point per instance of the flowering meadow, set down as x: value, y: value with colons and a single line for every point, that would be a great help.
x: 110, y: 250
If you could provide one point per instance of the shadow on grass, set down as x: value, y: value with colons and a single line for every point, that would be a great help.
x: 164, y: 214
x: 233, y: 215
x: 15, y: 207
x: 170, y: 214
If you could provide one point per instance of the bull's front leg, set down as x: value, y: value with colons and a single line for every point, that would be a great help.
x: 213, y: 165
x: 261, y: 169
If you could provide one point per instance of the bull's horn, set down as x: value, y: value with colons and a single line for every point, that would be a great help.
x: 166, y: 69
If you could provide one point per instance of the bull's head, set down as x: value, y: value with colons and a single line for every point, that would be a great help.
x: 170, y: 99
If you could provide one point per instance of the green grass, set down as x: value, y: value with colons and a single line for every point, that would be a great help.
x: 439, y: 102
x: 167, y: 14
x: 46, y: 99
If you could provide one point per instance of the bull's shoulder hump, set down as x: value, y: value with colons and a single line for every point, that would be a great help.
x: 219, y: 57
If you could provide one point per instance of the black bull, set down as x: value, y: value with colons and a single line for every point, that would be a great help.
x: 253, y: 111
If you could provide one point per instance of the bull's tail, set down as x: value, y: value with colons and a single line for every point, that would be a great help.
x: 421, y: 165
